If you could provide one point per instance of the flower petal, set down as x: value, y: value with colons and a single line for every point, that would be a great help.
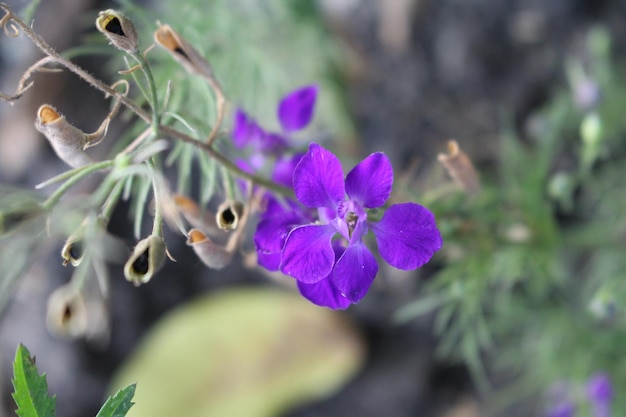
x: 407, y: 236
x: 308, y: 255
x: 272, y: 232
x: 246, y: 130
x: 295, y: 110
x: 355, y: 271
x: 325, y: 294
x: 318, y: 178
x: 370, y: 181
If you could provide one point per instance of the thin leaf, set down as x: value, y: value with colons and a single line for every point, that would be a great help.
x: 118, y: 405
x: 31, y: 389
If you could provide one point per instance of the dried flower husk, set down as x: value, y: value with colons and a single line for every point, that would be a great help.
x: 228, y: 214
x: 211, y: 254
x: 73, y: 250
x: 119, y: 30
x: 197, y: 217
x: 182, y: 51
x: 67, y: 312
x: 147, y: 259
x: 67, y: 140
x: 460, y: 168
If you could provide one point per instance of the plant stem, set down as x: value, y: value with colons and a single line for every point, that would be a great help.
x: 79, y: 175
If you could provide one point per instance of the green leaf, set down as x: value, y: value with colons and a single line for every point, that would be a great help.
x: 31, y: 389
x: 118, y: 404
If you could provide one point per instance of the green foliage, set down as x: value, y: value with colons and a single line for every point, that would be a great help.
x: 31, y: 389
x: 118, y: 405
x: 33, y: 400
x: 533, y: 278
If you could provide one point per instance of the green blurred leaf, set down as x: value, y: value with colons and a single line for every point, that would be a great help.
x: 246, y: 352
x: 118, y: 404
x: 31, y: 389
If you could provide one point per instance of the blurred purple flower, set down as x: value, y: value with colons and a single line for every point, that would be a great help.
x: 295, y: 112
x: 600, y: 394
x: 337, y: 272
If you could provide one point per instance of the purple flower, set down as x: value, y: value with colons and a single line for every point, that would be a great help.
x: 600, y: 394
x: 328, y: 258
x: 563, y: 409
x: 295, y: 112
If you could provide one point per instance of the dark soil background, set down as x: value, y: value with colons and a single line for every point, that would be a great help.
x: 428, y: 71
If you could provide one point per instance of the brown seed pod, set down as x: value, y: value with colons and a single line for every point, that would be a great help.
x: 118, y: 29
x: 146, y: 260
x: 211, y: 254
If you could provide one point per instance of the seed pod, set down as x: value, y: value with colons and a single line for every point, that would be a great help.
x: 212, y: 255
x: 74, y: 249
x: 119, y: 30
x: 182, y: 51
x: 228, y: 215
x: 67, y: 140
x: 147, y: 258
x: 460, y: 168
x: 67, y: 312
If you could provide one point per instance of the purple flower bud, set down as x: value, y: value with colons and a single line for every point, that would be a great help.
x: 600, y: 394
x: 295, y: 110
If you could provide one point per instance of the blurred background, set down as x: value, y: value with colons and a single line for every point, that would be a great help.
x: 527, y: 292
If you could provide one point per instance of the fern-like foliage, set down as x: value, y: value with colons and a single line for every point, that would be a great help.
x: 118, y: 405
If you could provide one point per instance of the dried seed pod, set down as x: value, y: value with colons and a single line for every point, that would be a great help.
x: 182, y: 51
x: 118, y: 29
x: 67, y: 312
x: 74, y: 249
x: 228, y: 215
x: 460, y: 168
x: 211, y: 254
x: 197, y: 217
x: 67, y: 140
x: 147, y: 258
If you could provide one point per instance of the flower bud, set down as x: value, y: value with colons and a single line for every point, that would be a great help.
x: 67, y: 140
x: 182, y: 51
x: 147, y: 258
x: 228, y: 215
x: 212, y: 255
x: 460, y: 168
x: 67, y: 312
x: 118, y: 29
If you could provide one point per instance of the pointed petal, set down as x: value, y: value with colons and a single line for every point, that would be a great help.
x: 355, y: 271
x: 295, y: 110
x: 407, y: 236
x: 370, y: 181
x: 324, y: 293
x: 318, y: 178
x: 308, y: 255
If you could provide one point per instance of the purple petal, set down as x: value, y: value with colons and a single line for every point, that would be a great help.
x: 599, y: 388
x: 246, y: 130
x: 355, y: 271
x: 273, y: 143
x: 370, y: 181
x: 295, y: 110
x: 308, y: 255
x: 271, y: 234
x: 318, y: 178
x: 283, y: 170
x: 564, y: 409
x: 407, y: 236
x: 324, y: 293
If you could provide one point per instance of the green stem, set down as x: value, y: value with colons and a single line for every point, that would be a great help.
x: 157, y: 225
x: 145, y: 67
x: 79, y: 175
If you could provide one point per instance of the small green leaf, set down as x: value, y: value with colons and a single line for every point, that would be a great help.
x: 118, y: 404
x: 31, y: 389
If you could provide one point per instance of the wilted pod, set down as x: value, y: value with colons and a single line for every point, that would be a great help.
x: 118, y: 29
x: 67, y: 140
x: 228, y: 215
x: 182, y: 51
x: 213, y: 255
x: 460, y: 168
x: 74, y: 249
x: 67, y: 312
x: 146, y: 260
